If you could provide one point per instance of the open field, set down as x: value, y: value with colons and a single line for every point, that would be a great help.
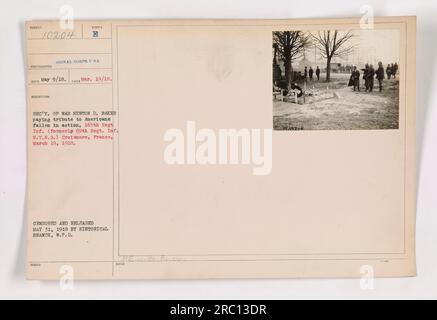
x: 346, y: 110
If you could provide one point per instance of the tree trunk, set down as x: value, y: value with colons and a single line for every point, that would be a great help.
x: 287, y: 67
x: 328, y: 69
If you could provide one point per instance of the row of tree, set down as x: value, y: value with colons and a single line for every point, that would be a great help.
x: 290, y: 45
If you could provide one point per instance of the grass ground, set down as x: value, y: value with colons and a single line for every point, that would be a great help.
x: 346, y: 110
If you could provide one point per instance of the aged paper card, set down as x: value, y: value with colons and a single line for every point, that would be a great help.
x: 221, y: 148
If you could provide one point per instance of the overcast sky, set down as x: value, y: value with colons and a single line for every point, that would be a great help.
x: 371, y: 46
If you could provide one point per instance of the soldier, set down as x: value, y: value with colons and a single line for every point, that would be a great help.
x: 394, y: 70
x: 305, y: 74
x: 380, y: 75
x: 388, y: 71
x: 318, y: 73
x: 356, y: 78
x: 310, y: 73
x: 370, y: 77
x: 351, y: 80
x: 366, y: 81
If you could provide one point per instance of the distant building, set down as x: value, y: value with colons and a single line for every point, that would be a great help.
x: 335, y: 66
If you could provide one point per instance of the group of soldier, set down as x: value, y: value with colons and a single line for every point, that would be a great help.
x: 391, y: 70
x: 369, y: 74
x: 310, y: 73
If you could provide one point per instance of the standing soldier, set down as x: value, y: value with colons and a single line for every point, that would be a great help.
x: 366, y: 81
x: 380, y: 75
x: 356, y: 78
x: 310, y: 73
x: 305, y: 74
x: 318, y: 73
x: 370, y: 77
x: 394, y: 70
x: 388, y: 71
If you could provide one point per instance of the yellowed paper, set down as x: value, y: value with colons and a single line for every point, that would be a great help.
x: 188, y: 149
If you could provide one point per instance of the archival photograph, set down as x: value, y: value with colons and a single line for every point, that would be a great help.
x: 336, y: 79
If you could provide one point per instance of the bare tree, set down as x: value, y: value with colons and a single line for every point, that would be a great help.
x: 289, y: 45
x: 332, y: 44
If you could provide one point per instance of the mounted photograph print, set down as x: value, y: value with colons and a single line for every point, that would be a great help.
x: 336, y: 80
